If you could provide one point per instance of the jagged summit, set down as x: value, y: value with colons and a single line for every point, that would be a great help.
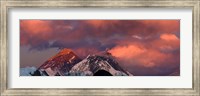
x: 95, y: 64
x: 60, y: 63
x: 64, y: 51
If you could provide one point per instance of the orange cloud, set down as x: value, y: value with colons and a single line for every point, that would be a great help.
x: 38, y: 29
x: 152, y: 58
x: 35, y: 26
x: 167, y: 42
x: 96, y: 23
x: 101, y: 23
x: 169, y: 37
x: 127, y: 52
x: 147, y: 57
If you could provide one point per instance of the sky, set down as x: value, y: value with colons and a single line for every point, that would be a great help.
x: 143, y: 47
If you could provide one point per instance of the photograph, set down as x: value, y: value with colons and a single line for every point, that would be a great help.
x: 99, y: 47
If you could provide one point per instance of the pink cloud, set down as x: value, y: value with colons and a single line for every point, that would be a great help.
x: 35, y: 26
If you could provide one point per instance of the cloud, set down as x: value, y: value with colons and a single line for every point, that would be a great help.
x: 35, y: 26
x: 147, y: 57
x: 169, y: 37
x: 167, y: 42
x: 137, y: 37
x: 84, y: 51
x: 127, y: 52
x: 161, y: 53
x: 95, y: 30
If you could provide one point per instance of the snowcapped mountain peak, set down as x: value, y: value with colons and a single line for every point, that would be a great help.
x: 60, y: 63
x: 95, y: 64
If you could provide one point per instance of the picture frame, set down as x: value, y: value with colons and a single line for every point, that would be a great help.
x: 4, y: 49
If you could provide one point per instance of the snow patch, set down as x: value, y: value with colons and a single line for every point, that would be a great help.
x: 27, y: 71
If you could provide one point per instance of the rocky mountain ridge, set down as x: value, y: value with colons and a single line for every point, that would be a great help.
x: 66, y: 63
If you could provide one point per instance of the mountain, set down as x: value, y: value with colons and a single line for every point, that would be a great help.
x: 66, y: 63
x: 59, y: 64
x: 98, y: 65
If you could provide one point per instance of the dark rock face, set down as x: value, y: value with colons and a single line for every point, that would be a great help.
x: 102, y: 73
x: 36, y: 73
